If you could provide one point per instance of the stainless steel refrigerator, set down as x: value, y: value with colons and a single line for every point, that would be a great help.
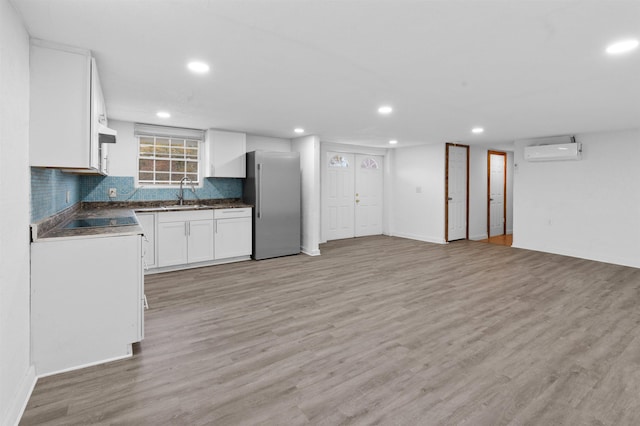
x: 273, y: 187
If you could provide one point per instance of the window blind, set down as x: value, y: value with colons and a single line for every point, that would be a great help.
x: 141, y: 129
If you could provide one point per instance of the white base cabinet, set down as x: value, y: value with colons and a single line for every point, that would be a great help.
x: 87, y: 300
x: 232, y: 233
x: 193, y: 238
x: 185, y: 237
x: 148, y: 223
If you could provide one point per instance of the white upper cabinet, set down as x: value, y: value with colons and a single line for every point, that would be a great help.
x: 66, y: 106
x: 225, y: 154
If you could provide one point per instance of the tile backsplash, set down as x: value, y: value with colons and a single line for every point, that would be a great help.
x: 52, y: 191
x: 96, y: 188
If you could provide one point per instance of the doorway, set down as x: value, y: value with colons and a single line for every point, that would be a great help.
x: 456, y: 192
x: 353, y: 195
x: 496, y: 193
x: 497, y: 199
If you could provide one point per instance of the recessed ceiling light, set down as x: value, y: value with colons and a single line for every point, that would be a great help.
x: 298, y: 130
x: 163, y: 114
x: 198, y: 67
x: 622, y: 46
x: 393, y: 142
x: 385, y: 110
x: 477, y: 130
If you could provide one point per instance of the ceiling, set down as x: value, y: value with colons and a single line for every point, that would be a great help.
x: 519, y: 69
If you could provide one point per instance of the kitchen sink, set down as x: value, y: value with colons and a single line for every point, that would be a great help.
x: 183, y: 207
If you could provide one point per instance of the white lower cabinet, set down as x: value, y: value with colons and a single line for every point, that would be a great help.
x: 86, y: 301
x: 148, y: 223
x: 185, y: 237
x: 200, y: 241
x: 232, y: 233
x: 188, y: 238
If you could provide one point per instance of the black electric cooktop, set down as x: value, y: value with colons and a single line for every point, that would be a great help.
x: 99, y: 222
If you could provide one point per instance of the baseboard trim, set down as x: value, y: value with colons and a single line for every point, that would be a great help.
x: 420, y: 238
x: 478, y: 237
x: 159, y: 270
x: 314, y: 252
x: 90, y: 364
x: 21, y: 399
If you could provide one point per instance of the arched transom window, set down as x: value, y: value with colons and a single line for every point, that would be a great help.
x: 369, y: 163
x: 338, y: 161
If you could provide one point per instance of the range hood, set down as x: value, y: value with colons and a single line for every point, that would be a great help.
x: 106, y: 135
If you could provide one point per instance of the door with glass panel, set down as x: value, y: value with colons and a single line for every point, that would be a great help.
x: 339, y: 197
x: 352, y: 195
x: 368, y: 196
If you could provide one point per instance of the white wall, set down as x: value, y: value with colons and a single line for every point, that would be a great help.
x: 309, y: 149
x: 478, y: 191
x: 17, y: 375
x: 123, y: 155
x: 417, y: 209
x: 265, y: 143
x: 588, y: 208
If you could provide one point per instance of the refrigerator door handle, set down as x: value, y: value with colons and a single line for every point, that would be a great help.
x: 259, y: 206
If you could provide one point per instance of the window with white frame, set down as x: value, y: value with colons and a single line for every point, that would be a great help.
x: 167, y: 155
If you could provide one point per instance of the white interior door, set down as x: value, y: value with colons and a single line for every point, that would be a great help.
x: 368, y: 196
x: 457, y: 193
x: 340, y: 190
x: 496, y: 194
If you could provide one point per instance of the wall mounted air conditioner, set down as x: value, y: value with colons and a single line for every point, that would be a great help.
x: 571, y: 150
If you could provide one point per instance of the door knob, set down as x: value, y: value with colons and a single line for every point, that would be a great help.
x: 450, y: 199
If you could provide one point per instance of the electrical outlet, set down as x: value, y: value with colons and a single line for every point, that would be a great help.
x: 113, y: 193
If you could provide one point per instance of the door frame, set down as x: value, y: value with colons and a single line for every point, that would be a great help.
x: 446, y: 189
x: 351, y: 149
x: 504, y: 191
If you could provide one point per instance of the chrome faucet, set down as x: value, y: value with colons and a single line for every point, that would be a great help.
x: 181, y: 193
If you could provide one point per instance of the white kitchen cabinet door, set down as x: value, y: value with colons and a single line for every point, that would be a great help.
x: 148, y: 223
x: 66, y: 105
x: 225, y: 154
x: 98, y: 116
x: 200, y: 241
x: 172, y: 243
x: 60, y: 109
x: 233, y: 237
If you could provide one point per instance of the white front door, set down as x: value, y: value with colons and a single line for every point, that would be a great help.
x: 457, y: 193
x: 352, y: 200
x: 339, y: 199
x: 368, y: 197
x: 496, y: 194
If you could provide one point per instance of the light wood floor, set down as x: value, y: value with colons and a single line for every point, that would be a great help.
x: 377, y: 330
x: 503, y: 240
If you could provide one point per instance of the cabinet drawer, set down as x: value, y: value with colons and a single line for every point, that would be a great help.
x: 184, y: 216
x: 231, y: 213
